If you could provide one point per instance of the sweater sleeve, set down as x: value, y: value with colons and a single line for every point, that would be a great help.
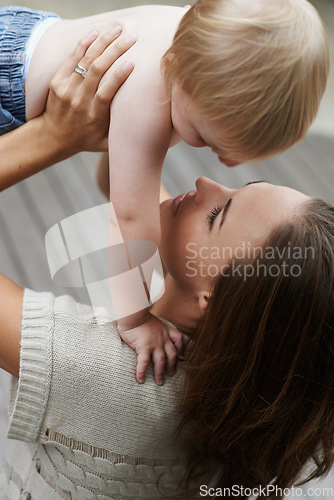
x: 29, y: 393
x: 77, y: 382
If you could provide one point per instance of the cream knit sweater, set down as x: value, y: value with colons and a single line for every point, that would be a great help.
x: 83, y: 428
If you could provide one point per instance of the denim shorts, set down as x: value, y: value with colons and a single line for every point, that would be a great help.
x: 16, y: 25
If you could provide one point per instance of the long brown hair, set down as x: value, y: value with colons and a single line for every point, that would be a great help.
x: 259, y: 392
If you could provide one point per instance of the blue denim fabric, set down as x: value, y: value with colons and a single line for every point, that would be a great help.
x: 16, y: 24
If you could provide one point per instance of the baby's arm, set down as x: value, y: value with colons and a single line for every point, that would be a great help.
x: 136, y: 202
x: 139, y: 137
x: 149, y: 339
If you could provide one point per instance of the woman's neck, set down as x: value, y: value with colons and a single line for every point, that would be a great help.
x: 176, y: 305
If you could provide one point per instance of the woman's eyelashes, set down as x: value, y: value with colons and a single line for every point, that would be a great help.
x: 213, y: 214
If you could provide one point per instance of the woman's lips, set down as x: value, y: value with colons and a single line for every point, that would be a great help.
x: 176, y: 202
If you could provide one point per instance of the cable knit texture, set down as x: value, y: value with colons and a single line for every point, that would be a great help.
x: 83, y: 428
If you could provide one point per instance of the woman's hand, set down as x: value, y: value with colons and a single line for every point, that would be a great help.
x: 77, y: 113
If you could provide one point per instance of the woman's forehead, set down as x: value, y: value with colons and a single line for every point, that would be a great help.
x: 256, y: 209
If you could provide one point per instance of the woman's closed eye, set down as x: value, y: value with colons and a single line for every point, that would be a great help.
x: 213, y: 214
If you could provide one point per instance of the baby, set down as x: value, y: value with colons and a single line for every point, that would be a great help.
x: 243, y: 78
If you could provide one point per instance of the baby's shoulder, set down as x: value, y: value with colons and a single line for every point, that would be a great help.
x: 155, y: 27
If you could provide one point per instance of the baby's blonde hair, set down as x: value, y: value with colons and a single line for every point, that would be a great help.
x: 258, y: 68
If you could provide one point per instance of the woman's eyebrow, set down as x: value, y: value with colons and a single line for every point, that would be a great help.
x: 253, y: 182
x: 227, y: 206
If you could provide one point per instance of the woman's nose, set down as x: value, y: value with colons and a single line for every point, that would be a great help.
x: 207, y: 188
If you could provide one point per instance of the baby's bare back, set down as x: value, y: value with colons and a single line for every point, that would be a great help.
x: 154, y: 25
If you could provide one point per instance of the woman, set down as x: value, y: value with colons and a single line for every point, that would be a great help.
x: 252, y: 403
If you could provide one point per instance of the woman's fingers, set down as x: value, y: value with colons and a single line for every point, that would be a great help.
x: 91, y: 58
x: 95, y: 50
x: 77, y: 102
x: 82, y: 46
x: 104, y: 61
x: 121, y: 46
x: 109, y: 88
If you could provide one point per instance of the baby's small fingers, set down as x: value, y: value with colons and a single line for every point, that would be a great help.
x: 171, y: 355
x: 159, y: 361
x: 142, y: 364
x: 177, y: 339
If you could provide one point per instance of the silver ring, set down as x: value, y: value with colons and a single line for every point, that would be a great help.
x: 81, y: 71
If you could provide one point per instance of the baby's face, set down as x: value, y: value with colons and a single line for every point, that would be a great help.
x: 197, y: 131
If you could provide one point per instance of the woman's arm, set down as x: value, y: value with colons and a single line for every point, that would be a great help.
x: 11, y: 301
x: 77, y: 113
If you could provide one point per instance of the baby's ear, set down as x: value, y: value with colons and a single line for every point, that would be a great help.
x: 167, y: 59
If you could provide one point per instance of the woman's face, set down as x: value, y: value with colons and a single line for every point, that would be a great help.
x: 202, y: 230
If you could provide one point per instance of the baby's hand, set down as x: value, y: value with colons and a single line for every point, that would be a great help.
x: 154, y: 338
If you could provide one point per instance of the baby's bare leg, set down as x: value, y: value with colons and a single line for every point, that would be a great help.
x: 102, y: 174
